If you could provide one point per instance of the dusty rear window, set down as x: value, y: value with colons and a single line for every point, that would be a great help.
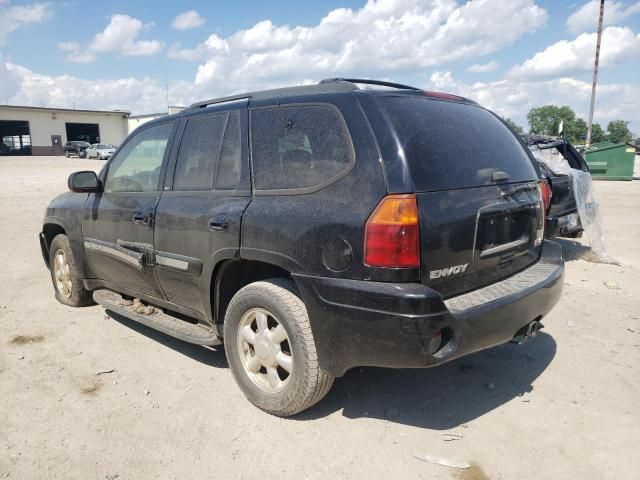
x: 298, y: 147
x: 453, y: 145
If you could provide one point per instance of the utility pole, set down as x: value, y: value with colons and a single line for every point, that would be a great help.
x: 595, y: 75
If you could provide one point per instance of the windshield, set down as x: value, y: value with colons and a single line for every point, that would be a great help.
x: 454, y: 145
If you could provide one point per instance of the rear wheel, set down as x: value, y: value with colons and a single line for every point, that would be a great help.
x: 65, y: 275
x: 271, y: 350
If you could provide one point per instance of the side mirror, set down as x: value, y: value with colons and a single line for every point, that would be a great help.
x: 84, y: 182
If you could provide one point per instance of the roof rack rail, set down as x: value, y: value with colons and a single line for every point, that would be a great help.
x: 371, y: 82
x: 213, y: 101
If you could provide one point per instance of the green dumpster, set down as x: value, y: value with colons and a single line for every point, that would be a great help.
x: 610, y: 161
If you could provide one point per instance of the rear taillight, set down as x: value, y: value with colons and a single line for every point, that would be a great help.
x: 545, y: 192
x: 392, y: 233
x: 545, y: 200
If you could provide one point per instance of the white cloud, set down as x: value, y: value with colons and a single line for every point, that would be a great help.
x: 585, y: 18
x: 9, y: 82
x: 120, y: 36
x: 176, y: 52
x: 483, y: 67
x: 15, y: 16
x: 68, y: 46
x: 566, y: 57
x: 382, y: 37
x: 85, y: 56
x: 140, y: 95
x: 514, y: 98
x: 76, y: 54
x: 187, y: 20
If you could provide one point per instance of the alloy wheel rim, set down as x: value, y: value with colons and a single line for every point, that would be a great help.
x: 265, y: 350
x: 62, y: 274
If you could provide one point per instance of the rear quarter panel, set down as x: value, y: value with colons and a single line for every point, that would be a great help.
x: 290, y: 230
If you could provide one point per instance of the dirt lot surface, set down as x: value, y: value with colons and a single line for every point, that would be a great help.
x: 85, y: 396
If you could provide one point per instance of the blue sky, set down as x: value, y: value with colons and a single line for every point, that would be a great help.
x: 121, y: 54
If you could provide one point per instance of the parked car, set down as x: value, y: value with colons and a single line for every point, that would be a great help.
x: 101, y: 151
x: 77, y: 148
x: 368, y: 230
x: 556, y: 157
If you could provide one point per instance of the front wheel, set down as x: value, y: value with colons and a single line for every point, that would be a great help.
x: 271, y: 350
x: 65, y: 275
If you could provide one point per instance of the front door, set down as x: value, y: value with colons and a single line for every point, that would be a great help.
x: 56, y: 145
x: 118, y: 223
x: 198, y: 217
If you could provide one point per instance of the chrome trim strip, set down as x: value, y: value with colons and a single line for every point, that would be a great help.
x: 134, y: 258
x: 504, y: 247
x: 172, y: 262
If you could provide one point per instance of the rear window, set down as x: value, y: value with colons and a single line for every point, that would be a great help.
x: 453, y: 145
x: 298, y: 147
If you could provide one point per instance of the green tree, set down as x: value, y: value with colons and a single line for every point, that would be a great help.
x: 546, y: 120
x: 597, y: 133
x: 514, y: 126
x: 618, y: 131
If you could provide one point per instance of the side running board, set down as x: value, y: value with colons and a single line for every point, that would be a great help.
x: 158, y: 320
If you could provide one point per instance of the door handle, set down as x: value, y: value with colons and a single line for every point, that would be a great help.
x: 218, y: 225
x: 140, y: 218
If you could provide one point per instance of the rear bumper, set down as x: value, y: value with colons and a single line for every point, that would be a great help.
x: 363, y: 323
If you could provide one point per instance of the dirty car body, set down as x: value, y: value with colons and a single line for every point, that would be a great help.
x: 370, y: 209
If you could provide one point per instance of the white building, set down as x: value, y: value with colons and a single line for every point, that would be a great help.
x: 43, y: 131
x: 136, y: 120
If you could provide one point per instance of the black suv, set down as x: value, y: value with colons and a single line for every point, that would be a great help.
x: 314, y: 229
x: 75, y: 147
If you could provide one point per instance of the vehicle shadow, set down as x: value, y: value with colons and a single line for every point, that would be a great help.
x: 200, y: 353
x: 437, y: 398
x: 443, y: 397
x: 573, y: 250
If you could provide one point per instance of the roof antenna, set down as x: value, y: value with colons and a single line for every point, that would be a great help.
x: 166, y: 89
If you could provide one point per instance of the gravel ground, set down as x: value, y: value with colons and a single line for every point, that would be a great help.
x: 86, y: 396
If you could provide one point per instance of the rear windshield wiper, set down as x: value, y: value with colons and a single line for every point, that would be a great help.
x: 520, y: 188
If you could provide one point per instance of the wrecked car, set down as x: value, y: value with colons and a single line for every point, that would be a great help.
x: 556, y: 157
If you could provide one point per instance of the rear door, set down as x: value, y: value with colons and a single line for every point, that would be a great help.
x: 199, y: 213
x: 476, y: 186
x: 118, y: 223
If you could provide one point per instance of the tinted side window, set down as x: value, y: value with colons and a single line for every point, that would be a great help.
x: 298, y: 147
x: 228, y: 173
x: 199, y: 149
x: 137, y: 166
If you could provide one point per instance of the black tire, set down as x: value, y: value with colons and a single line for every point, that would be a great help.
x: 76, y: 296
x: 308, y: 383
x: 66, y: 153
